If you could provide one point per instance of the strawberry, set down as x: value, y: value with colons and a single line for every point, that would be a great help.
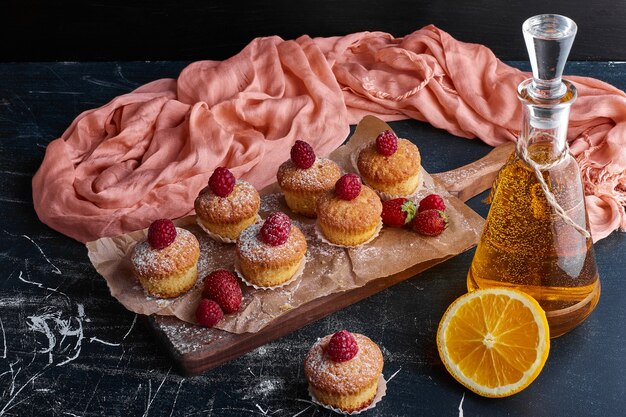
x: 398, y: 212
x: 431, y: 201
x: 430, y: 222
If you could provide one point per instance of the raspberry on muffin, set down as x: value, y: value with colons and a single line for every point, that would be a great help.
x: 222, y: 181
x: 348, y: 187
x: 302, y: 154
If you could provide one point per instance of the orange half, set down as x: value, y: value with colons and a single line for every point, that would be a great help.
x: 494, y: 341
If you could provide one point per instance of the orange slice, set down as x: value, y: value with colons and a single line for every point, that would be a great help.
x: 494, y: 341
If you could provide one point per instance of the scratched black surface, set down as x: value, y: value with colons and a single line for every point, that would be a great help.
x: 67, y: 348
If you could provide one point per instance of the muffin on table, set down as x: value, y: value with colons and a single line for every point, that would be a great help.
x: 166, y: 262
x: 390, y: 165
x: 350, y: 214
x: 304, y: 177
x: 227, y: 206
x: 343, y: 370
x: 270, y: 252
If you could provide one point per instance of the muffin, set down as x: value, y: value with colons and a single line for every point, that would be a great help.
x: 390, y: 165
x: 350, y: 214
x: 166, y: 262
x: 343, y: 370
x: 226, y: 206
x: 270, y: 252
x: 303, y: 178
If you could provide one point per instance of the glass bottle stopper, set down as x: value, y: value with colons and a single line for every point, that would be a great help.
x: 549, y: 39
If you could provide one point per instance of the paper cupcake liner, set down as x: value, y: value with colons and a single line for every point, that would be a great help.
x: 217, y: 237
x: 384, y: 196
x: 320, y: 236
x: 420, y: 186
x: 294, y: 277
x: 380, y: 393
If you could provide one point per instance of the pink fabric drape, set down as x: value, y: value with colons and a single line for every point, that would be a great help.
x: 146, y: 154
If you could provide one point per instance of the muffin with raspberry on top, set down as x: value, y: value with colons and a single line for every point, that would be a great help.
x: 305, y: 177
x: 270, y: 252
x: 390, y: 165
x: 166, y: 262
x: 349, y: 214
x: 343, y: 370
x: 227, y: 205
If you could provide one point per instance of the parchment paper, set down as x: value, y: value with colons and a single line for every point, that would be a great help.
x: 328, y: 269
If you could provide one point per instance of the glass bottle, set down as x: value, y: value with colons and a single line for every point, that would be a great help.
x: 531, y: 241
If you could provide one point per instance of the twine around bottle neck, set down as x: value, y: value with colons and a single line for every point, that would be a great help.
x: 522, y: 153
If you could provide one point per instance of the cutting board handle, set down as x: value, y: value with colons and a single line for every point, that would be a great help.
x: 472, y: 179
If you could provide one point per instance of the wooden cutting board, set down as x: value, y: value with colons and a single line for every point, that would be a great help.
x: 195, y: 349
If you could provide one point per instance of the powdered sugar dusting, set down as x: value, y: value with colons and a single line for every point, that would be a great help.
x: 185, y: 336
x: 322, y: 175
x: 241, y: 203
x: 208, y: 261
x: 317, y: 248
x: 253, y: 249
x: 147, y: 260
x: 272, y: 202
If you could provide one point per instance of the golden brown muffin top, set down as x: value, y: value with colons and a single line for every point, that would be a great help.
x: 251, y: 248
x: 182, y: 254
x: 321, y: 176
x: 344, y: 378
x: 242, y: 203
x: 358, y: 214
x: 404, y: 163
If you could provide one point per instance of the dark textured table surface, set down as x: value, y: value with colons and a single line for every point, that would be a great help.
x: 67, y: 348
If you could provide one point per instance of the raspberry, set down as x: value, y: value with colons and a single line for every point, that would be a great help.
x: 398, y: 212
x: 387, y: 143
x: 348, y: 187
x: 276, y: 229
x: 222, y: 287
x: 342, y: 346
x: 431, y: 201
x: 430, y: 222
x: 222, y: 182
x: 302, y: 154
x: 208, y: 313
x: 161, y: 233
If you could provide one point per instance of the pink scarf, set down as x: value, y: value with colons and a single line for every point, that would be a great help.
x: 146, y: 154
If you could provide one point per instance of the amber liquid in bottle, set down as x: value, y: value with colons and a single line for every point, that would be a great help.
x: 527, y: 246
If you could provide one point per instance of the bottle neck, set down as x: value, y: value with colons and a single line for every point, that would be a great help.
x: 545, y: 122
